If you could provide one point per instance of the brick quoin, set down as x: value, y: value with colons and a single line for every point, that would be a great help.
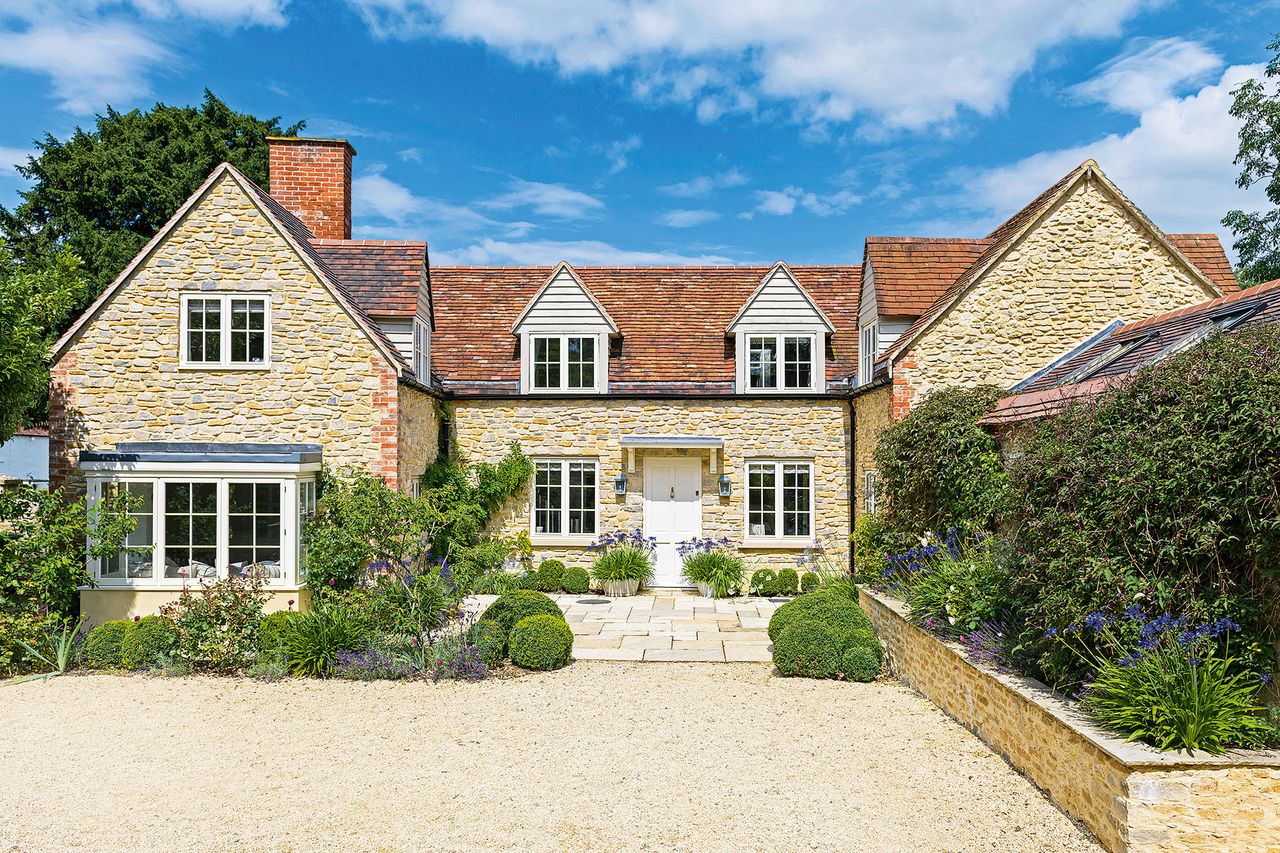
x: 311, y: 178
x: 61, y: 468
x: 386, y: 430
x: 903, y: 392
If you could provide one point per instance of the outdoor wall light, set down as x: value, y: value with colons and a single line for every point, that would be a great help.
x: 725, y: 487
x: 620, y: 484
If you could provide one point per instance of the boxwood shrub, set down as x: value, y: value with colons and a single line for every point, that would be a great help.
x: 103, y: 646
x: 542, y: 642
x: 551, y: 576
x: 825, y: 606
x: 514, y: 606
x: 490, y: 642
x: 808, y: 582
x: 272, y: 628
x: 788, y: 582
x: 860, y: 663
x: 809, y: 649
x: 576, y: 581
x: 764, y: 582
x: 147, y: 642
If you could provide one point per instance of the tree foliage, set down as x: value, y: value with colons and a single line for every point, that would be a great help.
x: 938, y: 468
x: 35, y: 300
x: 1257, y: 106
x: 102, y: 193
x: 1162, y: 492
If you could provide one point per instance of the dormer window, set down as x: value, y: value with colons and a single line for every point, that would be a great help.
x: 563, y: 362
x: 780, y: 362
x: 225, y: 331
x: 867, y: 351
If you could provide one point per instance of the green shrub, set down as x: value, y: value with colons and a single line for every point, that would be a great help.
x: 551, y: 576
x: 788, y: 582
x: 953, y: 587
x: 217, y: 624
x: 764, y: 582
x: 313, y: 640
x: 809, y: 649
x: 938, y: 468
x: 541, y: 642
x: 859, y: 663
x: 1161, y: 490
x: 529, y: 581
x: 148, y: 642
x: 808, y: 582
x: 490, y: 642
x: 825, y: 606
x: 102, y: 649
x: 865, y: 638
x: 576, y: 581
x: 718, y: 568
x: 272, y: 630
x: 512, y: 607
x: 873, y: 542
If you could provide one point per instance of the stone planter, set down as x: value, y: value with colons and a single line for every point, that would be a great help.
x: 620, y: 588
x: 705, y: 590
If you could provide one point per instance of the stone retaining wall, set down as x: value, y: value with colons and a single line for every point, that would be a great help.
x: 1132, y: 797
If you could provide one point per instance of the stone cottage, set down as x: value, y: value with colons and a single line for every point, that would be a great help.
x: 252, y: 341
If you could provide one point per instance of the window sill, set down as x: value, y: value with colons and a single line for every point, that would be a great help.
x: 576, y: 541
x: 210, y: 368
x: 798, y: 543
x: 172, y: 586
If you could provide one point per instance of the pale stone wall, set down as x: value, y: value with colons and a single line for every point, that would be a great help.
x: 101, y: 605
x: 1130, y: 796
x: 326, y: 384
x: 418, y: 433
x: 1087, y: 263
x: 801, y: 429
x: 871, y: 416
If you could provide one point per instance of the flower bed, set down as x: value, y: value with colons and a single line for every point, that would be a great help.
x: 1132, y: 797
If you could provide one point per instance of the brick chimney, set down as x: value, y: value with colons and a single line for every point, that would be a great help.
x: 311, y: 178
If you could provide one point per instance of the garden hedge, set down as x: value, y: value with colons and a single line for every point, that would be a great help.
x: 542, y: 642
x: 809, y: 649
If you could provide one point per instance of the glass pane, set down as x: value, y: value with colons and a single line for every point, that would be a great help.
x: 204, y: 497
x: 761, y: 500
x: 204, y: 529
x: 177, y: 497
x: 241, y: 497
x: 267, y: 530
x: 240, y: 530
x: 212, y: 314
x: 798, y: 360
x: 177, y: 530
x: 257, y: 348
x: 762, y: 362
x: 268, y: 497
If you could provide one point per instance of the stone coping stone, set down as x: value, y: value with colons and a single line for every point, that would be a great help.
x: 1136, y: 756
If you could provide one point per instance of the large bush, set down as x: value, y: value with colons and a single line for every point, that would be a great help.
x: 102, y: 648
x: 217, y: 624
x: 541, y: 642
x: 938, y: 468
x: 814, y: 635
x: 148, y: 643
x: 1161, y: 491
x: 514, y: 606
x: 824, y: 606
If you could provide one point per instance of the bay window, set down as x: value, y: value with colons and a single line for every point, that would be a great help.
x: 779, y: 500
x: 225, y: 331
x: 564, y: 498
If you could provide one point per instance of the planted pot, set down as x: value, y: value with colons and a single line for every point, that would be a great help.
x: 706, y: 590
x: 620, y: 588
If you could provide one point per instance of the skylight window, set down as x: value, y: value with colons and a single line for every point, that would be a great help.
x: 1221, y: 323
x: 1101, y: 361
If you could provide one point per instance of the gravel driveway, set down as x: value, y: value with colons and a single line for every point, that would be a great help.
x: 596, y: 756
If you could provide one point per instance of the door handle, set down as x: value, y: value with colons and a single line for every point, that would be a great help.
x: 673, y: 492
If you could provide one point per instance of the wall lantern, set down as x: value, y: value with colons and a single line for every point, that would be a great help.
x: 725, y: 487
x: 620, y: 485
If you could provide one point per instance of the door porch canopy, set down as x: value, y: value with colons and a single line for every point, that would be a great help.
x: 670, y: 442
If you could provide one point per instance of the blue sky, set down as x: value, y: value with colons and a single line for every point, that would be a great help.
x: 651, y: 131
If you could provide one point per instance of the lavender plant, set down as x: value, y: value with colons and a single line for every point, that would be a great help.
x: 369, y: 664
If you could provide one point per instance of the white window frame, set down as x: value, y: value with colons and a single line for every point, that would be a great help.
x: 224, y: 361
x: 778, y: 540
x: 562, y: 538
x: 868, y: 350
x: 817, y: 361
x: 291, y: 518
x: 601, y: 363
x: 871, y: 491
x: 422, y: 350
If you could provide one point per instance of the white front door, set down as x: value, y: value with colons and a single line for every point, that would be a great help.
x: 672, y: 511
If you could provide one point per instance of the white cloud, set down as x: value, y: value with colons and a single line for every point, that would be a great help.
x: 687, y: 218
x: 410, y: 155
x: 784, y: 202
x: 1176, y: 165
x: 583, y: 252
x: 385, y: 209
x: 1147, y: 73
x: 11, y: 158
x: 704, y: 185
x: 96, y: 52
x: 554, y: 200
x: 338, y: 128
x: 617, y: 152
x: 901, y: 65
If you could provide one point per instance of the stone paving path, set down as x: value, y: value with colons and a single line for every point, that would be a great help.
x: 666, y: 625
